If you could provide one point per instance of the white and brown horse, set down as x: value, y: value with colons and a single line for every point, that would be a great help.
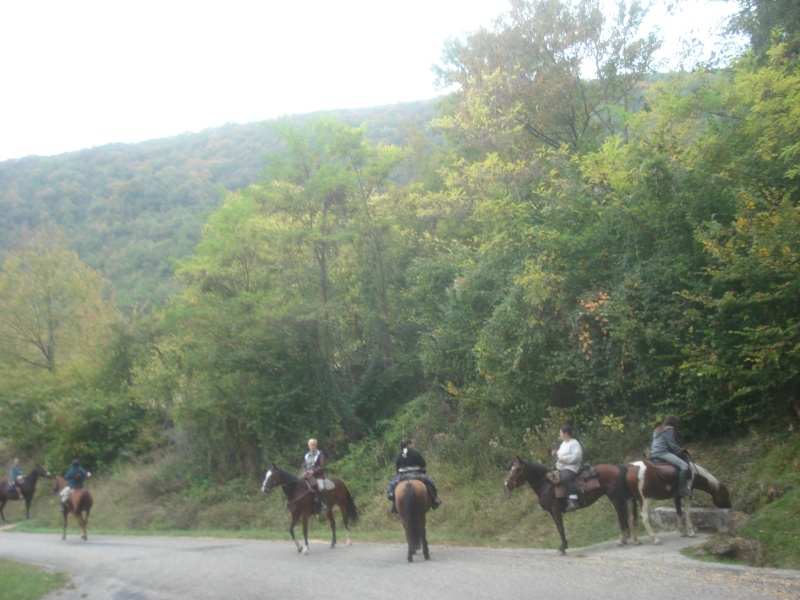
x: 647, y: 482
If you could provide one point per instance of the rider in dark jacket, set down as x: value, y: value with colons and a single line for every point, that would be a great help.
x: 409, y: 462
x: 75, y: 477
x: 15, y: 478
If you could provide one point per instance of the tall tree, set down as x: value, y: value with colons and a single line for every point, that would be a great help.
x: 551, y: 72
x: 51, y: 304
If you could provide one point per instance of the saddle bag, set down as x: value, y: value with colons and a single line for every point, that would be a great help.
x: 554, y: 477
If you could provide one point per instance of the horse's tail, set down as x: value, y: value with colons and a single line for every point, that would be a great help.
x: 352, y: 511
x: 413, y: 515
x: 621, y: 496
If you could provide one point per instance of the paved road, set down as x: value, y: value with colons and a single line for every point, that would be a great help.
x: 145, y: 568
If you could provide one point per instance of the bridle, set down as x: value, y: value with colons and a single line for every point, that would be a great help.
x: 516, y: 469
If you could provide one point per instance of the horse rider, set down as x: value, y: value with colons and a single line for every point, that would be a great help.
x: 313, y: 470
x: 409, y: 462
x: 569, y: 457
x: 75, y: 476
x: 666, y: 450
x: 15, y: 477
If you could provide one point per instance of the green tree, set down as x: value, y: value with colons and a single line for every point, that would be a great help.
x: 552, y: 72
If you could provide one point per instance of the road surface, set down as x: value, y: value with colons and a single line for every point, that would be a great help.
x: 145, y: 568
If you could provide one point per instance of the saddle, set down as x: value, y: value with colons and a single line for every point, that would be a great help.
x: 586, y: 481
x: 326, y: 483
x: 665, y: 470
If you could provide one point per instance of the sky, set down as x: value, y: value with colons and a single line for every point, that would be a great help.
x: 83, y: 73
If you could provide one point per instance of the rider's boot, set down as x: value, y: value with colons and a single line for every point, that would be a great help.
x: 572, y: 504
x: 435, y: 502
x: 323, y: 501
x: 683, y: 487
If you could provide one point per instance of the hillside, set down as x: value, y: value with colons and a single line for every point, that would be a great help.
x: 131, y: 209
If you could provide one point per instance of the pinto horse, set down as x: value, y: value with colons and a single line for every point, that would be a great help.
x: 300, y: 502
x: 413, y: 502
x: 646, y: 482
x: 79, y: 504
x: 22, y: 491
x: 608, y: 476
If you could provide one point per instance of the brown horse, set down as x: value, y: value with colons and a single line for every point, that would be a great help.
x: 23, y: 491
x: 79, y: 504
x: 609, y: 478
x: 413, y: 501
x: 300, y: 502
x: 646, y: 482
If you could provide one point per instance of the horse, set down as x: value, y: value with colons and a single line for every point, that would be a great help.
x: 413, y: 502
x: 22, y: 491
x: 79, y: 504
x: 300, y: 502
x: 609, y: 479
x: 646, y: 483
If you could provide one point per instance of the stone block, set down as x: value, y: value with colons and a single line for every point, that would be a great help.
x: 716, y: 519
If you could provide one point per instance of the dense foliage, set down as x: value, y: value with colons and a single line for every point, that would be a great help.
x: 597, y: 247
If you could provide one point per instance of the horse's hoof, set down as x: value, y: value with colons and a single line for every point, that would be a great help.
x: 657, y: 542
x: 427, y: 557
x: 637, y: 542
x: 333, y: 546
x: 562, y: 552
x: 691, y: 534
x: 410, y: 558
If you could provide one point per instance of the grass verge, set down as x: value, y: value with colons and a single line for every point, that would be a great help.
x: 26, y: 582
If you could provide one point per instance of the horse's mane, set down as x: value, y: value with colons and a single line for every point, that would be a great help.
x: 532, y: 466
x: 698, y: 470
x: 288, y: 474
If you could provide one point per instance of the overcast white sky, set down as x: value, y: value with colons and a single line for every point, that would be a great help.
x: 82, y: 73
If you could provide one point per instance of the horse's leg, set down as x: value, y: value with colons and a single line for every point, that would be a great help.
x: 27, y: 506
x: 646, y: 521
x: 83, y: 515
x: 295, y: 518
x: 305, y: 532
x: 559, y: 521
x: 687, y: 508
x: 64, y: 510
x: 632, y: 524
x: 2, y: 506
x: 342, y: 504
x: 332, y: 521
x: 425, y: 552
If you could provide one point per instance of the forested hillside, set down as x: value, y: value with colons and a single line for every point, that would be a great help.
x: 132, y: 210
x: 572, y: 240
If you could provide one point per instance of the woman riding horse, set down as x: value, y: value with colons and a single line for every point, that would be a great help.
x: 610, y: 481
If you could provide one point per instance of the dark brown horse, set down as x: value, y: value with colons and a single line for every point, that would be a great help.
x: 646, y: 483
x: 609, y: 478
x: 413, y: 502
x: 300, y: 501
x: 23, y: 491
x: 79, y: 504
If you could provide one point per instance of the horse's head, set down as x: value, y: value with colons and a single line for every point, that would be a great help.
x: 517, y: 476
x: 720, y: 497
x: 58, y: 483
x: 272, y: 479
x: 42, y: 472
